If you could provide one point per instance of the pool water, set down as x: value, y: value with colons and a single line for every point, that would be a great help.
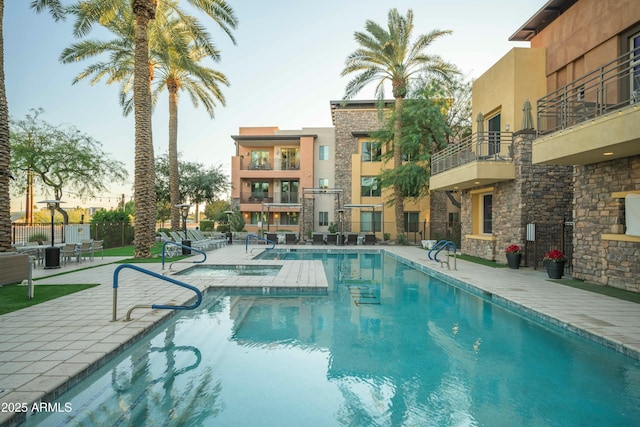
x: 210, y: 270
x: 388, y: 346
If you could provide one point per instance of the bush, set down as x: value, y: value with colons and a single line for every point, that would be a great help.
x: 207, y: 225
x: 38, y: 237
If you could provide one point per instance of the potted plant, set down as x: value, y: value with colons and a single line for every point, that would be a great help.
x: 555, y: 261
x: 514, y: 256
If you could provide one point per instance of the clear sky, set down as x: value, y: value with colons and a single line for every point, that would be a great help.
x: 283, y: 71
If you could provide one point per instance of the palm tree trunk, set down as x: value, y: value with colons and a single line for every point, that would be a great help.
x: 398, y: 198
x: 174, y: 173
x: 5, y: 152
x: 144, y: 185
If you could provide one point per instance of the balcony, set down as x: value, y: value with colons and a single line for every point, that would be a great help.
x: 482, y: 158
x: 257, y: 198
x: 593, y: 118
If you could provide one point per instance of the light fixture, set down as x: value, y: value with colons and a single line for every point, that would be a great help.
x: 477, y: 182
x: 608, y: 153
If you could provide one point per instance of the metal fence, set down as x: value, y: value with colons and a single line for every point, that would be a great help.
x: 542, y: 238
x: 112, y: 234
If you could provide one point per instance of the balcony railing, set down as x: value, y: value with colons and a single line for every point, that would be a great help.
x: 284, y: 165
x: 613, y: 86
x: 485, y: 146
x: 275, y: 197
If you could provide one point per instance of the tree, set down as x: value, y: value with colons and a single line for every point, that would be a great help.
x: 101, y: 12
x: 177, y: 46
x: 61, y: 158
x: 424, y: 131
x: 390, y: 56
x: 5, y: 152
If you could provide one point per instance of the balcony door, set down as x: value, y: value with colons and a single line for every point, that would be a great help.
x: 493, y: 126
x: 634, y: 53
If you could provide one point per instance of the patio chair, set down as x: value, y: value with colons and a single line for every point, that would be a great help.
x: 352, y: 239
x: 290, y: 239
x: 272, y: 237
x: 332, y: 239
x: 369, y: 239
x: 96, y: 246
x: 68, y: 250
x: 86, y: 248
x: 318, y: 239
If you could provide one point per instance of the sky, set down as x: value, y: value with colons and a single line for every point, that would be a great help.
x: 284, y: 70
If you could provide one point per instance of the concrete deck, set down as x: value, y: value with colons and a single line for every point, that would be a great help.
x: 48, y: 348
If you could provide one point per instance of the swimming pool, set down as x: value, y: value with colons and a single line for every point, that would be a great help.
x: 388, y: 345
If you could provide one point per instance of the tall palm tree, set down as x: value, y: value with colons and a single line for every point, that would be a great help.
x: 177, y: 45
x: 90, y: 12
x: 389, y: 55
x: 5, y: 152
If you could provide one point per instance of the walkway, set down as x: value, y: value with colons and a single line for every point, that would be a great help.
x: 47, y: 348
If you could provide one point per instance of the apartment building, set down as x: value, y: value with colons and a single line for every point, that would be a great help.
x: 269, y: 171
x: 574, y: 161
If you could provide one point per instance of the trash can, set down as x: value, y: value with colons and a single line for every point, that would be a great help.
x: 186, y: 251
x: 51, y: 257
x: 229, y: 238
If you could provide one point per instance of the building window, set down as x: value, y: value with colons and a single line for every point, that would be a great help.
x: 323, y: 219
x: 323, y: 183
x: 370, y: 221
x: 493, y: 126
x: 289, y: 159
x: 454, y: 218
x: 487, y: 213
x: 369, y: 187
x: 634, y: 48
x: 324, y: 152
x: 289, y: 191
x: 259, y: 159
x: 371, y: 151
x: 258, y: 217
x: 411, y: 222
x: 259, y: 190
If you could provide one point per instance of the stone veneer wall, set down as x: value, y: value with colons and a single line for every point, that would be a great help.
x: 439, y: 218
x: 608, y: 262
x: 347, y: 121
x: 539, y: 193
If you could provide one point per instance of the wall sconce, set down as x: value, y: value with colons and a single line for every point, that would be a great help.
x: 506, y: 127
x: 246, y: 183
x: 276, y: 216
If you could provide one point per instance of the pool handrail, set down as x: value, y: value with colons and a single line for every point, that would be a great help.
x: 152, y: 306
x: 436, y: 247
x: 183, y: 246
x: 447, y: 245
x: 255, y: 236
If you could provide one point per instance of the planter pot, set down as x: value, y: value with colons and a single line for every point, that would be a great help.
x: 514, y: 260
x: 555, y: 270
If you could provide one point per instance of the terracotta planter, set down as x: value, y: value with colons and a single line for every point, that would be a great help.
x: 555, y: 270
x: 514, y: 260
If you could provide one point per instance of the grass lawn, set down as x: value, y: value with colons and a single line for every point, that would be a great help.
x: 156, y: 254
x: 14, y: 297
x: 481, y: 261
x: 599, y: 289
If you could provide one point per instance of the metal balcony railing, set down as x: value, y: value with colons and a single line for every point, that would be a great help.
x: 484, y: 146
x: 613, y: 86
x: 274, y: 197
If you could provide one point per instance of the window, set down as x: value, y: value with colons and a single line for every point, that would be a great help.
x: 289, y: 159
x: 634, y: 49
x: 324, y: 183
x: 487, y: 213
x: 370, y: 221
x: 289, y: 191
x: 323, y: 219
x: 324, y: 152
x: 454, y: 218
x: 257, y: 217
x: 260, y: 159
x: 371, y: 151
x: 289, y: 218
x: 411, y: 222
x: 259, y: 190
x: 369, y: 187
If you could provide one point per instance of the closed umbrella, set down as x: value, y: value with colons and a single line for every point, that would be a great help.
x: 527, y: 116
x: 480, y: 133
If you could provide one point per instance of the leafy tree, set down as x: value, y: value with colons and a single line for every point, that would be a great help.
x: 5, y: 151
x: 61, y: 158
x: 424, y: 130
x: 236, y: 221
x: 90, y: 12
x: 215, y: 210
x: 388, y: 55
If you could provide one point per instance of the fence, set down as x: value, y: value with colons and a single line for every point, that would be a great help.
x: 542, y: 238
x: 113, y: 234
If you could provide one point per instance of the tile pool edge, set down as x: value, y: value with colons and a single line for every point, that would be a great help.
x: 519, y: 308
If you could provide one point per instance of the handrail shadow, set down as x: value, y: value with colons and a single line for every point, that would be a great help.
x: 183, y: 246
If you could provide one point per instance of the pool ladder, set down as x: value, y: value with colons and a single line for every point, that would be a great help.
x: 152, y: 306
x: 255, y: 236
x: 438, y: 247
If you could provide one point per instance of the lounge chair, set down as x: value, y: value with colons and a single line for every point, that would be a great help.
x: 370, y: 239
x: 273, y: 237
x: 332, y: 239
x: 352, y: 239
x: 290, y: 239
x: 318, y: 239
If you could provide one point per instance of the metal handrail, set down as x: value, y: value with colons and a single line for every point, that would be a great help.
x: 438, y: 247
x: 246, y: 242
x: 610, y: 87
x: 152, y: 306
x: 183, y: 246
x: 435, y: 247
x: 491, y: 146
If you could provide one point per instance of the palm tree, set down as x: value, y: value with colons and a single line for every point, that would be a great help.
x: 177, y: 46
x: 390, y: 56
x: 90, y: 12
x: 5, y: 152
